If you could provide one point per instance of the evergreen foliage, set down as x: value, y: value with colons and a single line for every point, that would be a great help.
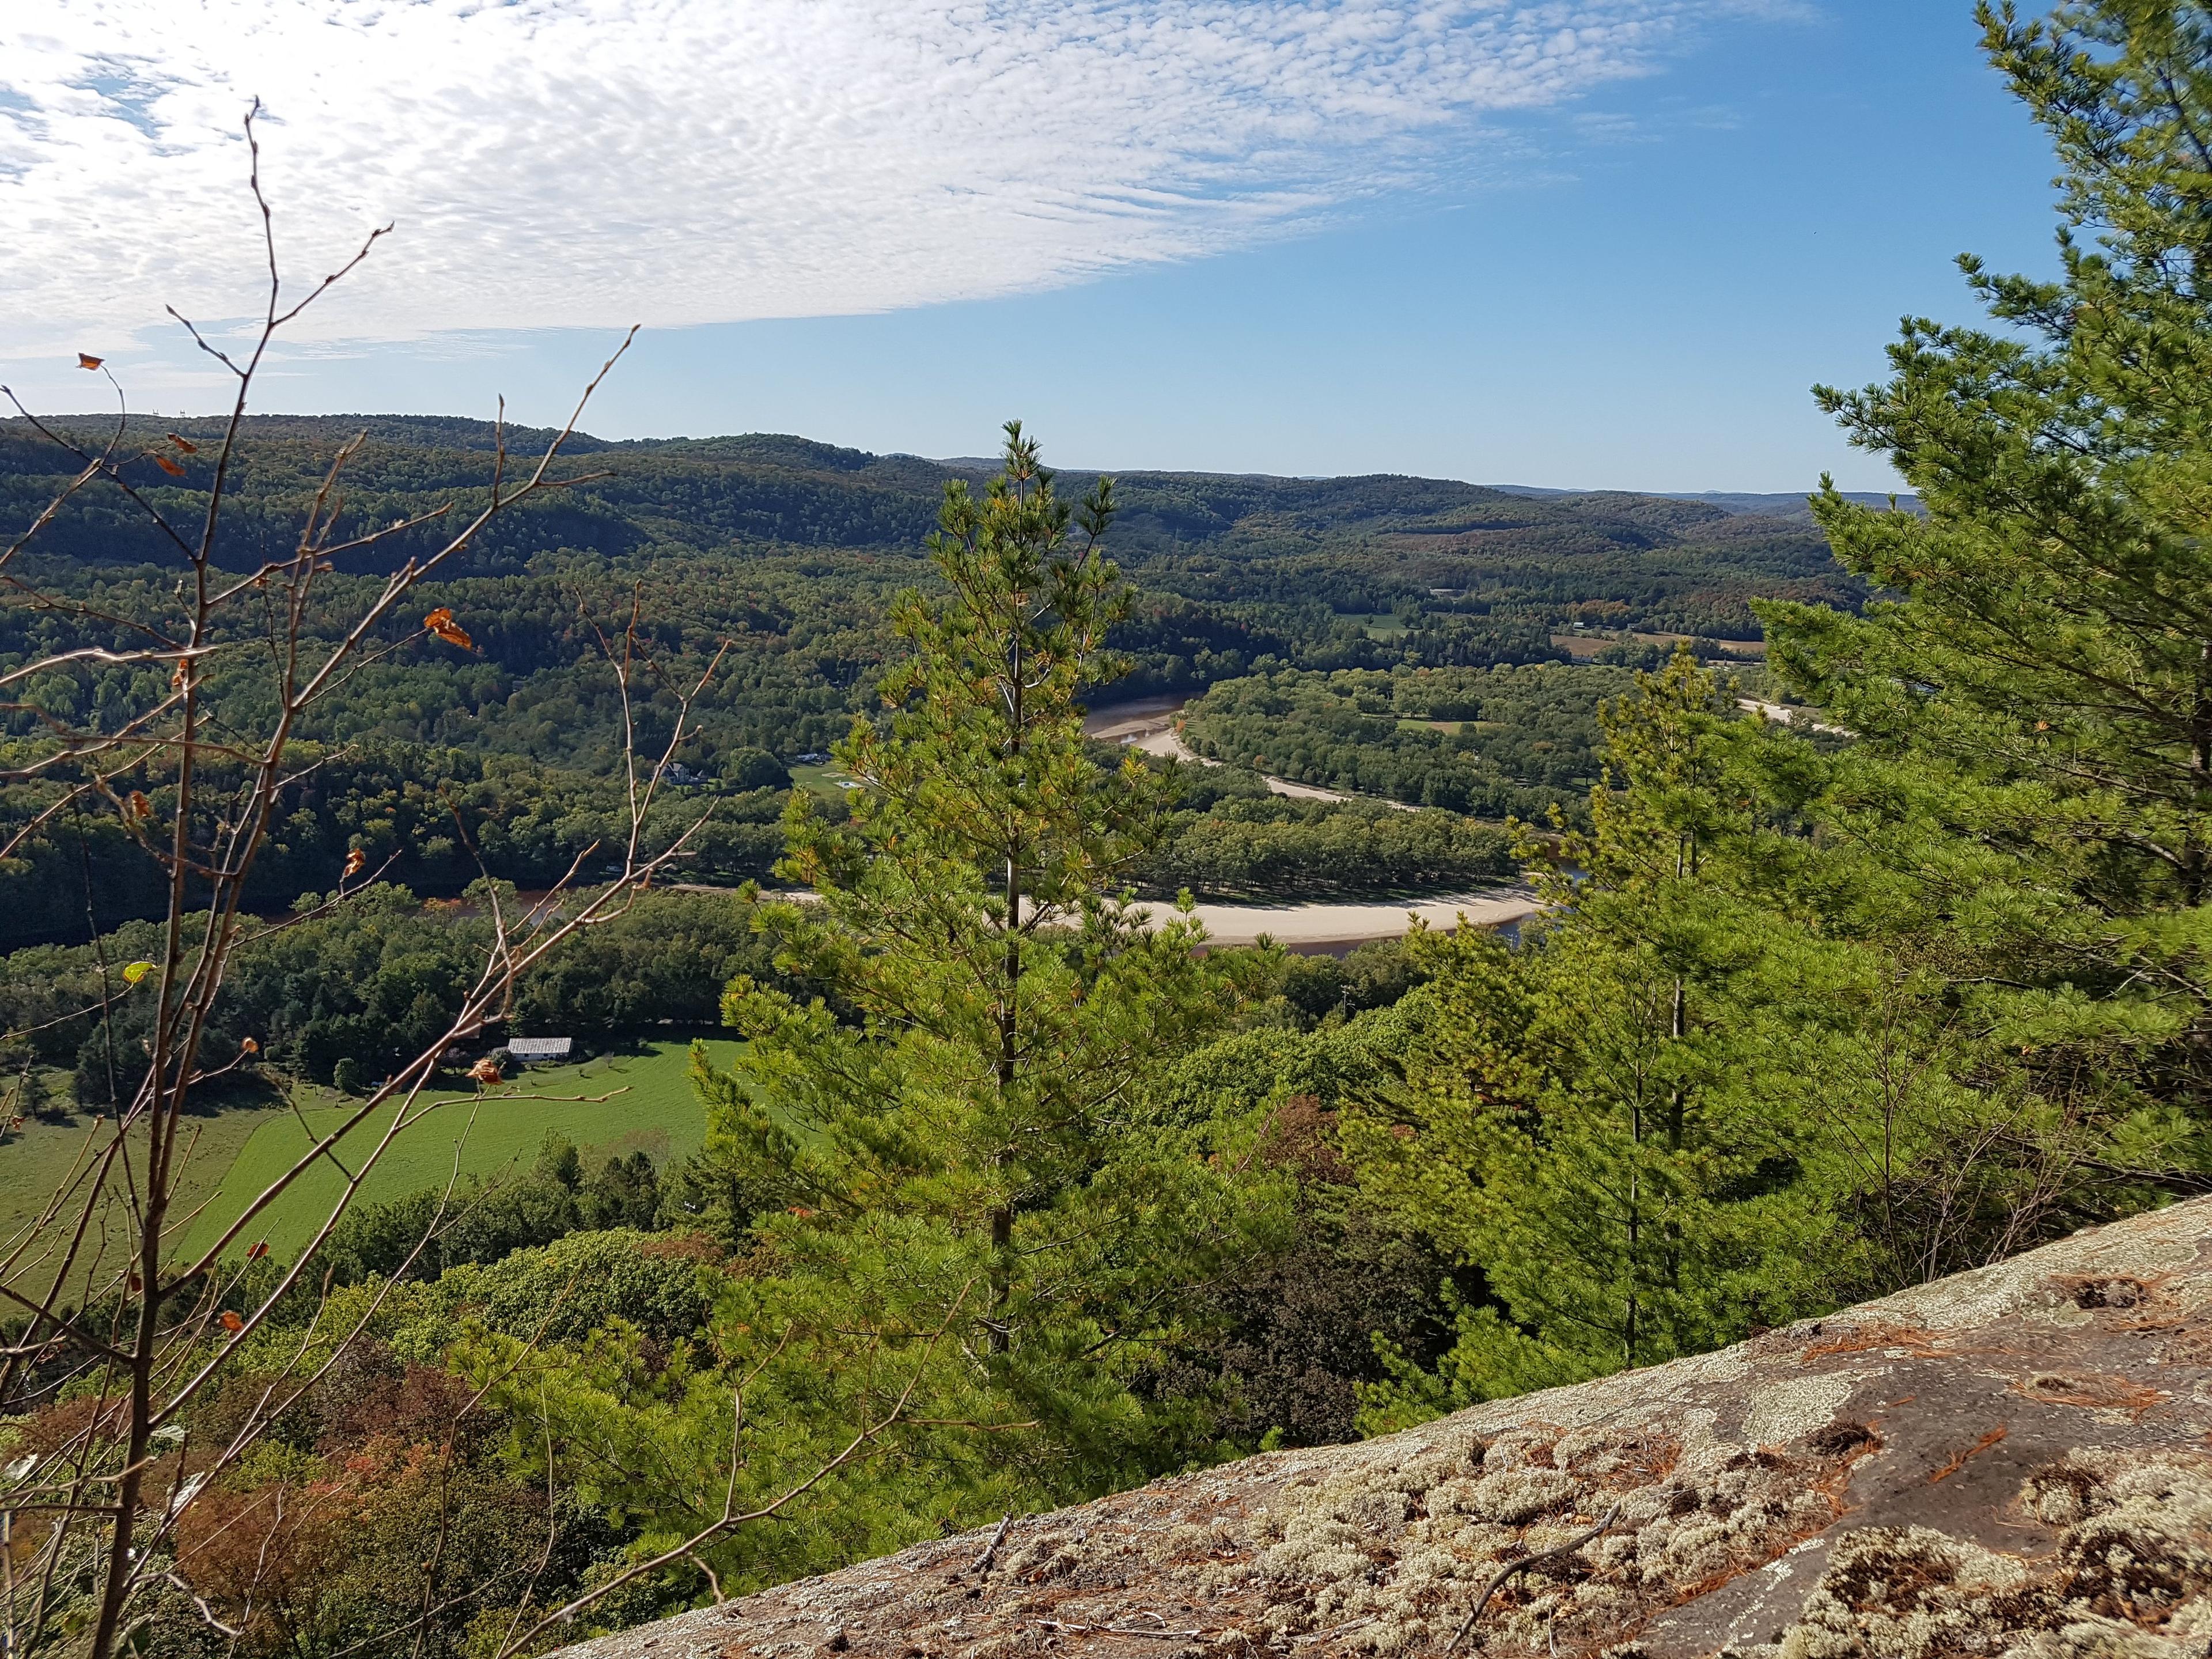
x: 1819, y: 1016
x: 1013, y: 1198
x: 961, y: 1213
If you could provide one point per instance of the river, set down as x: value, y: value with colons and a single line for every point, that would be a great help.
x: 1149, y: 724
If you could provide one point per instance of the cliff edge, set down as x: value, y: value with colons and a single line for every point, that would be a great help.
x: 2017, y: 1461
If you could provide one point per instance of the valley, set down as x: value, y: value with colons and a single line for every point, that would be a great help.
x: 646, y: 1045
x: 1494, y: 623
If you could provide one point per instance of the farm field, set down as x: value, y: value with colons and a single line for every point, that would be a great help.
x: 38, y: 1159
x: 650, y: 1109
x: 825, y: 782
x: 1378, y: 625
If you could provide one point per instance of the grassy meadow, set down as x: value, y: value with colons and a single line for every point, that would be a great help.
x: 39, y: 1160
x: 633, y: 1100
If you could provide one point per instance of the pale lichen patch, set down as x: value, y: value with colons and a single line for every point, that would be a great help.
x: 1790, y: 1409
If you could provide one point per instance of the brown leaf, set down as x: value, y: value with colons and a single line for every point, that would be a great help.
x: 184, y: 444
x: 86, y: 359
x: 260, y: 1249
x: 440, y: 622
x: 168, y: 466
x: 356, y: 861
x: 248, y: 1046
x: 231, y: 1321
x: 138, y: 806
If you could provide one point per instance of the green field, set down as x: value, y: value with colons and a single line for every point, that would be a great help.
x: 650, y: 1107
x: 36, y: 1160
x: 1377, y: 625
x: 821, y: 781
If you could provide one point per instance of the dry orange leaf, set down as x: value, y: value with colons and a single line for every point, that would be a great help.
x: 356, y: 861
x: 138, y: 806
x: 260, y: 1249
x: 440, y: 622
x: 231, y: 1321
x: 168, y: 466
x: 184, y: 444
x: 86, y: 359
x: 248, y: 1046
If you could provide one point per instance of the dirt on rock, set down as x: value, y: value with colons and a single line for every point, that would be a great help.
x: 2016, y: 1462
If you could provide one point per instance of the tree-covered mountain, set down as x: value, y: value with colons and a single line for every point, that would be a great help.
x: 774, y: 560
x: 1368, y: 544
x: 1791, y: 504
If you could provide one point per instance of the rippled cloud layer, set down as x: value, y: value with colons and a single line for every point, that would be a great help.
x: 556, y: 163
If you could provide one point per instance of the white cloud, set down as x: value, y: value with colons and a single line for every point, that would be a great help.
x: 558, y: 163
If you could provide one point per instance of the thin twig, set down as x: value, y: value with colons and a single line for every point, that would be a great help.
x: 982, y: 1567
x: 1522, y: 1565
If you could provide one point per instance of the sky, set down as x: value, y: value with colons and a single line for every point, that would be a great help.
x: 1573, y: 243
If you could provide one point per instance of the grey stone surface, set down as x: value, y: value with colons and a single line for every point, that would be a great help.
x: 2016, y: 1461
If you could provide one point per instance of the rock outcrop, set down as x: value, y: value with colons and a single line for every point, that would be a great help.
x: 2017, y: 1461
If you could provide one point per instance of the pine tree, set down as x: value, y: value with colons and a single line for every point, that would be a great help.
x: 947, y: 1155
x: 1598, y: 1119
x: 966, y: 1223
x: 2032, y: 692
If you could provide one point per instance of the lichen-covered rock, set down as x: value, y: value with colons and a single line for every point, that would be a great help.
x: 2015, y: 1464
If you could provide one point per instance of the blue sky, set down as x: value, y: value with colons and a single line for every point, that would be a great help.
x: 1626, y: 274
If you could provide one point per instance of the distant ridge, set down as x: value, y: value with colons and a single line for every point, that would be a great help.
x: 1195, y: 542
x: 1784, y: 506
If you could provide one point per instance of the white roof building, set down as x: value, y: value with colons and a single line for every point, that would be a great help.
x: 531, y: 1050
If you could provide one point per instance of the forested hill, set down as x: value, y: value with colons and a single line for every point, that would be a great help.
x: 1371, y: 543
x: 773, y: 560
x: 1796, y: 506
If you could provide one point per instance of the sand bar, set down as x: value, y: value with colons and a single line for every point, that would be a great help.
x: 1149, y: 724
x: 1318, y: 926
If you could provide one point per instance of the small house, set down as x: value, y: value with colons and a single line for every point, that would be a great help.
x: 538, y: 1051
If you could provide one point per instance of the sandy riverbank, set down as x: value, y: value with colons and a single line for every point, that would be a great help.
x: 1318, y: 927
x: 1149, y: 724
x: 1340, y: 926
x: 1785, y: 716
